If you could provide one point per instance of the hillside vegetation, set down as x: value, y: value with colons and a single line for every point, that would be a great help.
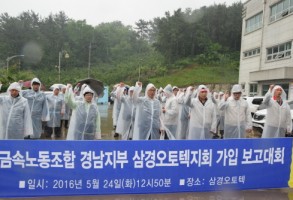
x: 182, y: 48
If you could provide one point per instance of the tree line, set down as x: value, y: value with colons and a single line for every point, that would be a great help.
x: 113, y: 51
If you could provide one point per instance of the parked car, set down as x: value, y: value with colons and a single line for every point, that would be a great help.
x: 259, y: 118
x: 254, y: 103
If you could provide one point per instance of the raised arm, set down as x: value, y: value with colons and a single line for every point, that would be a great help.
x: 223, y: 105
x: 69, y: 98
x: 136, y: 92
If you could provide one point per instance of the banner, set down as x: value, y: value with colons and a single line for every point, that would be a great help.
x: 48, y: 168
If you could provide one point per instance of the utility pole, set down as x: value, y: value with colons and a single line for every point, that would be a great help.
x: 89, y: 64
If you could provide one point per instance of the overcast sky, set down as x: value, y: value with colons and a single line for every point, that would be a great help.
x: 98, y: 11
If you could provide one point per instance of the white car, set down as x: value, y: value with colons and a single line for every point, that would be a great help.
x: 259, y: 118
x: 254, y: 103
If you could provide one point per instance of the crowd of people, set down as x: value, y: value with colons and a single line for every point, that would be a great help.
x: 194, y: 113
x: 170, y: 113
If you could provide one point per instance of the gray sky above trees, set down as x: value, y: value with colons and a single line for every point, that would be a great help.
x: 98, y: 11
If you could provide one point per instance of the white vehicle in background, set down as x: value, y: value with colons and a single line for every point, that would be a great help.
x: 254, y: 103
x: 259, y: 118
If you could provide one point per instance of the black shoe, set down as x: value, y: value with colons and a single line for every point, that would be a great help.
x: 216, y: 137
x: 116, y: 135
x: 27, y: 137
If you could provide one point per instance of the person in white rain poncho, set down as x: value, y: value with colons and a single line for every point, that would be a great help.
x: 56, y: 108
x: 116, y: 108
x: 175, y: 90
x: 183, y: 117
x: 127, y: 113
x: 170, y: 111
x: 222, y: 116
x: 38, y: 106
x: 65, y: 117
x: 237, y: 115
x: 15, y: 117
x: 78, y: 94
x: 85, y: 121
x: 147, y: 117
x: 203, y: 119
x: 278, y: 118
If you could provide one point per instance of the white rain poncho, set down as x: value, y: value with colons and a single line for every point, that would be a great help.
x: 147, y: 118
x: 66, y: 114
x: 76, y: 91
x: 162, y: 98
x: 116, y: 107
x: 85, y: 121
x: 278, y: 118
x: 183, y: 117
x: 237, y: 115
x: 203, y: 119
x: 15, y: 117
x: 170, y: 117
x: 216, y: 101
x: 127, y: 114
x: 56, y: 107
x: 221, y: 112
x: 38, y: 107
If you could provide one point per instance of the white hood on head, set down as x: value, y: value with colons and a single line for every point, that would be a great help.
x: 87, y: 89
x: 14, y: 86
x: 236, y: 88
x: 35, y: 80
x: 168, y: 90
x: 149, y: 86
x: 283, y: 95
x: 205, y: 88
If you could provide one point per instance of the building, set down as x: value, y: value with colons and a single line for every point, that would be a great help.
x: 266, y: 46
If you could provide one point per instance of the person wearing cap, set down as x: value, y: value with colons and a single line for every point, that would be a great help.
x: 175, y: 90
x: 38, y: 104
x: 203, y: 116
x: 127, y: 113
x: 147, y: 117
x: 15, y: 117
x: 56, y: 109
x: 170, y: 112
x: 278, y: 119
x: 237, y: 120
x: 85, y: 122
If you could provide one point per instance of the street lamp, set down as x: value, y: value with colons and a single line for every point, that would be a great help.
x: 10, y: 58
x: 66, y: 55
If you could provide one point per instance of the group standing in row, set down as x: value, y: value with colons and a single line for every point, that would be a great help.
x: 173, y: 113
x: 169, y: 113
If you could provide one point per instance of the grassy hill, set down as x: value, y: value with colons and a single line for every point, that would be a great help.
x: 198, y: 74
